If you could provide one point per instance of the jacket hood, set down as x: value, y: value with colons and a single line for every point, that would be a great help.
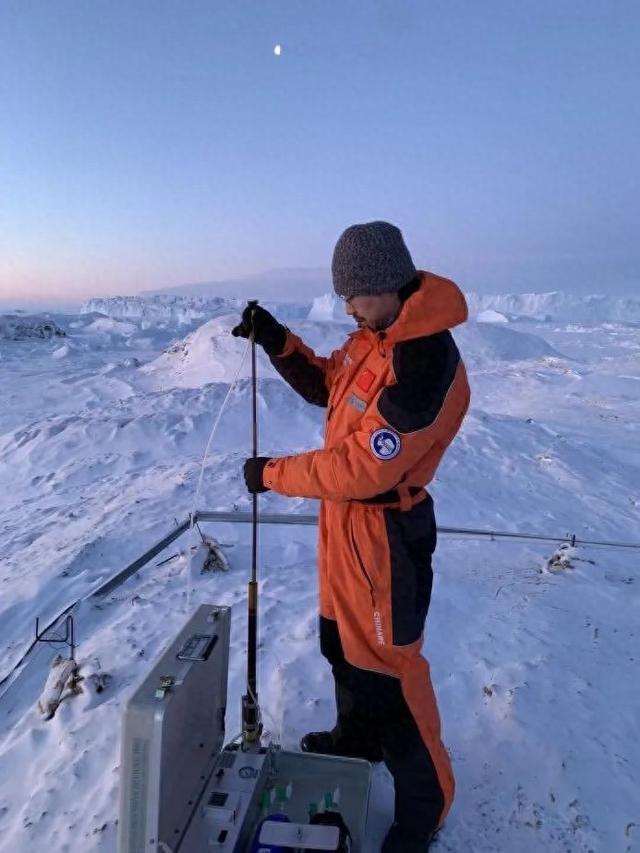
x: 437, y: 305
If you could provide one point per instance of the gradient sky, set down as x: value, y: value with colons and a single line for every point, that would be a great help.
x: 148, y: 143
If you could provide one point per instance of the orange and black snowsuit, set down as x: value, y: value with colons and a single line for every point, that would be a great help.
x: 395, y: 400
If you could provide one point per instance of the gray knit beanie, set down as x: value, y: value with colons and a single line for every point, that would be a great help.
x: 371, y: 259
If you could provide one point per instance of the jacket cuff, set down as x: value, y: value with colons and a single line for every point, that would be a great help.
x: 289, y: 346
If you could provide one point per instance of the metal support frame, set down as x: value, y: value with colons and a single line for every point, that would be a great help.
x: 132, y: 568
x: 280, y: 518
x: 311, y: 520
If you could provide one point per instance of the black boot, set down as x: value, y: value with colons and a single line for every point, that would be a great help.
x: 329, y: 743
x: 399, y: 841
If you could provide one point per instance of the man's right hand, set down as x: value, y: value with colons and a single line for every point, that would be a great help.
x: 267, y: 332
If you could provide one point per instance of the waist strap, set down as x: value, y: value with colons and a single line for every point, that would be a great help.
x: 404, y: 497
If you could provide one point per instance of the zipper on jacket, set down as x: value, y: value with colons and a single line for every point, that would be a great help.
x: 381, y: 347
x: 377, y: 617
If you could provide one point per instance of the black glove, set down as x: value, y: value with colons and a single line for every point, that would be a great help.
x: 270, y: 334
x: 253, y: 469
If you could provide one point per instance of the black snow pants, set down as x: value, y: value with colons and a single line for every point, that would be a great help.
x: 374, y: 716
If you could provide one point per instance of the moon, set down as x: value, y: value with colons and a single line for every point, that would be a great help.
x: 277, y: 49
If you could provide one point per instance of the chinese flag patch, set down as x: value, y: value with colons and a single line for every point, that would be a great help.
x: 365, y: 380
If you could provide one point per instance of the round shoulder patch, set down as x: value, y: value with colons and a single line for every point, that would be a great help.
x: 385, y: 444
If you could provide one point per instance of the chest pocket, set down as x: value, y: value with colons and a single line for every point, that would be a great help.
x: 364, y: 386
x: 364, y: 373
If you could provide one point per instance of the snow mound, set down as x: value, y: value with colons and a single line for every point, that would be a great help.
x: 110, y: 325
x: 22, y: 327
x: 131, y: 363
x: 481, y: 343
x: 491, y: 316
x: 557, y: 307
x: 209, y: 354
x: 61, y: 352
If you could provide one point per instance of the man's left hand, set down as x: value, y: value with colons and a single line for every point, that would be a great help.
x: 253, y: 470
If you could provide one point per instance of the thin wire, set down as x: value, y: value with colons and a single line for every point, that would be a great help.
x: 214, y: 429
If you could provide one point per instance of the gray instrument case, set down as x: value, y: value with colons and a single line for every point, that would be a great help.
x: 181, y: 792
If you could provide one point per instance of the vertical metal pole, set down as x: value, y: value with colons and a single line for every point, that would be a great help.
x: 250, y: 709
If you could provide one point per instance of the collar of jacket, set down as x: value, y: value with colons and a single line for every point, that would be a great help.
x: 438, y: 304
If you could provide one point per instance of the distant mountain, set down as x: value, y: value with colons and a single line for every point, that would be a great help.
x: 291, y: 296
x: 555, y: 307
x: 558, y: 307
x: 287, y: 285
x: 161, y: 308
x: 168, y: 309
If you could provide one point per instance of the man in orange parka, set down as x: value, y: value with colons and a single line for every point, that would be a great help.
x: 395, y: 393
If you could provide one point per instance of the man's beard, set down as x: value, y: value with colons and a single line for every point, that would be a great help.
x: 379, y: 325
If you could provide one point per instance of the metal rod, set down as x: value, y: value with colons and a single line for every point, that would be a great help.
x: 263, y: 517
x: 311, y: 520
x: 68, y: 640
x: 250, y: 710
x: 72, y: 644
x: 132, y: 568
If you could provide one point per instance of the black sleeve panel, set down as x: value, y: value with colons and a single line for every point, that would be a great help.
x: 424, y: 369
x: 303, y: 376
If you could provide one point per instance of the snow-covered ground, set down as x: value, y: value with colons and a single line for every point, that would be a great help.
x: 534, y: 660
